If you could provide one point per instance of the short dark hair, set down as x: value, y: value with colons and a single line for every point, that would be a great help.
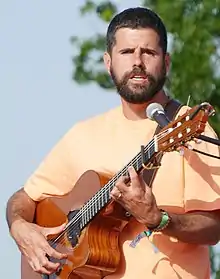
x: 136, y: 18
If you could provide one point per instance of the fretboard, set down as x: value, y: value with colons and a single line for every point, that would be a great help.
x: 102, y: 197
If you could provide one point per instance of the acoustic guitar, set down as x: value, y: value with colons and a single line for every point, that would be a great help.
x: 94, y: 221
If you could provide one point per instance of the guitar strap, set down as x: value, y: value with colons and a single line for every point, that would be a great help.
x: 171, y: 109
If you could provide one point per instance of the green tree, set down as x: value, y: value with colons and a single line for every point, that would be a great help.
x: 194, y: 32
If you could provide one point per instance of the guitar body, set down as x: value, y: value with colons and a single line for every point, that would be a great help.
x: 93, y: 252
x: 94, y: 222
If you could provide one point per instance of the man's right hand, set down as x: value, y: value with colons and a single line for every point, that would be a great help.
x: 32, y: 242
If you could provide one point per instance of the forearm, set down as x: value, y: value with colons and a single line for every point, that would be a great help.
x: 196, y: 228
x: 20, y: 207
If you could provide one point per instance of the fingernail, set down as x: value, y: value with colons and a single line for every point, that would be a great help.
x: 181, y: 151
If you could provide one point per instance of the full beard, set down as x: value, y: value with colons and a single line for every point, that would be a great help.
x: 139, y: 94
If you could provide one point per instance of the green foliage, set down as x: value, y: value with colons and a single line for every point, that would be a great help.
x: 88, y: 63
x: 194, y: 29
x: 215, y: 263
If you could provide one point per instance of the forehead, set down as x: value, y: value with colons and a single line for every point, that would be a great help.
x: 126, y: 37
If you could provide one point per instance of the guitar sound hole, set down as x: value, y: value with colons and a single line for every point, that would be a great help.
x: 74, y: 231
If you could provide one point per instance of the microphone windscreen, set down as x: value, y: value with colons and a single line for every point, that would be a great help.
x: 152, y: 108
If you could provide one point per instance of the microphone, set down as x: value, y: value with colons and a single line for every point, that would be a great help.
x: 156, y: 112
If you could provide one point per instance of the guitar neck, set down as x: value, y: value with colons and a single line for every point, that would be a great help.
x: 184, y: 128
x: 102, y: 197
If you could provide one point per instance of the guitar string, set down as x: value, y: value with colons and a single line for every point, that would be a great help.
x: 73, y: 223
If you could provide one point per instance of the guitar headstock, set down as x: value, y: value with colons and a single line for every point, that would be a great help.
x: 186, y: 127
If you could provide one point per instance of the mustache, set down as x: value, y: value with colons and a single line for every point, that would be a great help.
x: 138, y: 71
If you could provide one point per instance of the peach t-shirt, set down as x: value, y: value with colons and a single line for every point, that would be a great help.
x: 106, y: 143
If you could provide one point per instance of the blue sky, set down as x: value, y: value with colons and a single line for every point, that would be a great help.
x: 39, y: 101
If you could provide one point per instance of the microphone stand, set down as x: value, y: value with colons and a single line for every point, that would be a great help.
x: 210, y: 140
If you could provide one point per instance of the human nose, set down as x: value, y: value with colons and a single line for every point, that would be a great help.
x: 138, y: 59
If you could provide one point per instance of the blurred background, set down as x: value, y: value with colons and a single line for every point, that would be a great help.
x: 51, y: 63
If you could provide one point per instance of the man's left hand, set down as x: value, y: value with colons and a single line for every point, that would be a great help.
x: 137, y: 198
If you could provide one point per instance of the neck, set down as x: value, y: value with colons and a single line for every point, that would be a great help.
x: 138, y: 111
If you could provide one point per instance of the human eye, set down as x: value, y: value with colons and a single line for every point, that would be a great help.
x: 149, y: 52
x: 127, y: 51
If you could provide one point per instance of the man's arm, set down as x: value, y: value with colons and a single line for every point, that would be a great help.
x: 54, y: 176
x: 198, y: 227
x: 30, y: 238
x: 20, y: 207
x: 195, y: 228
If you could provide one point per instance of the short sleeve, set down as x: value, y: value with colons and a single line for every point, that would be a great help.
x: 201, y: 176
x: 55, y: 176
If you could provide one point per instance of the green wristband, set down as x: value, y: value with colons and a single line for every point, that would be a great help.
x: 165, y: 220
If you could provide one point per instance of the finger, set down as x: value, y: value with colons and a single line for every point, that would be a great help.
x: 47, y: 264
x: 135, y: 180
x: 55, y: 230
x: 121, y: 184
x: 115, y: 193
x: 122, y: 180
x: 36, y: 266
x: 197, y: 140
x: 55, y: 254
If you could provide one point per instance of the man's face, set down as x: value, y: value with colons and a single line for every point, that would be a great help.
x: 137, y: 64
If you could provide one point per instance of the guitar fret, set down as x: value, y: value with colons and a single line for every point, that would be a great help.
x: 92, y: 211
x: 99, y: 204
x: 96, y: 208
x: 88, y: 216
x: 84, y: 220
x: 102, y: 197
x: 105, y: 200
